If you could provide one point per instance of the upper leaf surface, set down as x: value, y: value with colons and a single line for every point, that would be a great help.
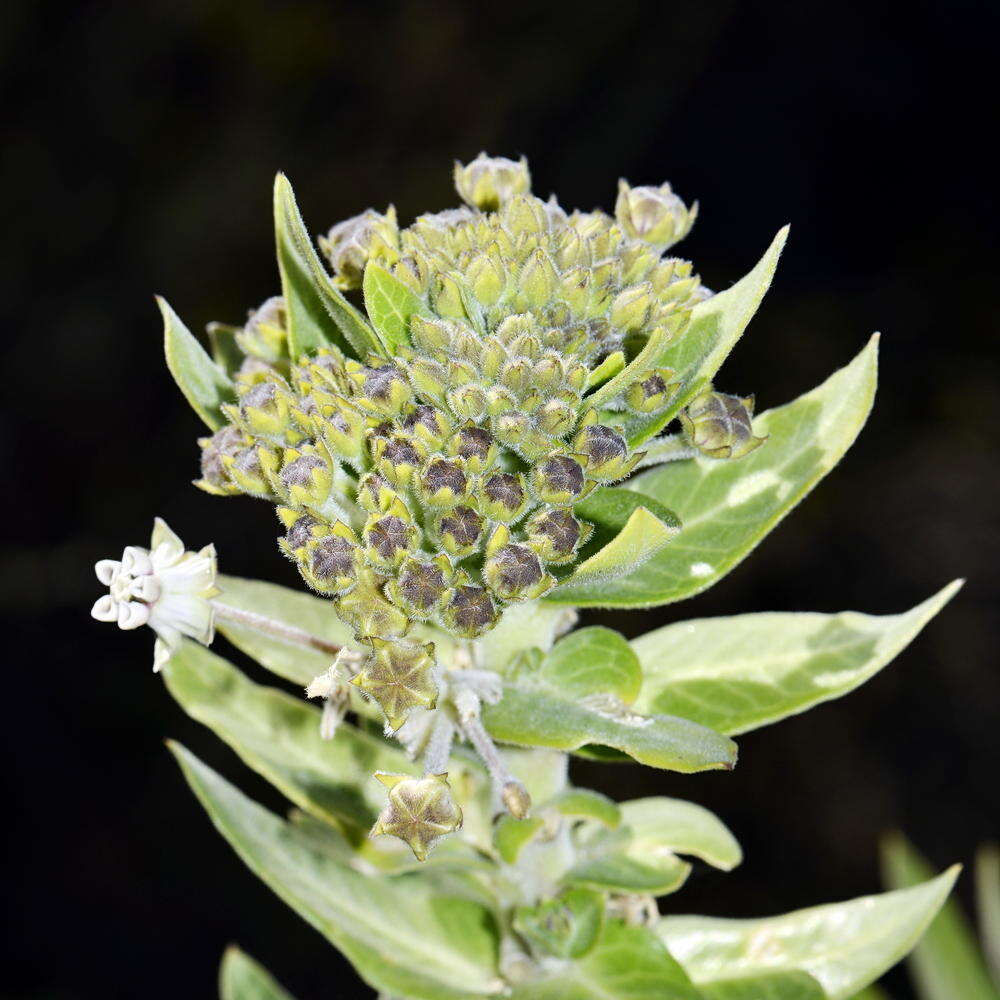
x: 318, y: 314
x: 402, y: 934
x: 241, y: 978
x: 774, y: 986
x: 727, y: 507
x: 590, y: 661
x: 390, y: 304
x: 739, y: 673
x: 845, y: 946
x: 204, y: 384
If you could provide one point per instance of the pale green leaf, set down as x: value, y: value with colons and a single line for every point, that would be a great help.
x: 845, y: 946
x: 531, y: 625
x: 204, y: 384
x: 582, y: 803
x: 871, y: 993
x: 567, y: 926
x: 278, y: 736
x: 590, y: 661
x: 988, y: 904
x: 616, y: 867
x: 402, y: 934
x: 288, y: 657
x: 390, y: 304
x: 947, y: 962
x: 317, y: 313
x: 647, y: 359
x: 511, y: 835
x: 241, y: 978
x: 775, y: 986
x: 659, y: 823
x: 535, y: 716
x: 727, y: 507
x: 630, y: 531
x: 716, y: 326
x: 627, y: 963
x: 739, y: 673
x: 611, y: 365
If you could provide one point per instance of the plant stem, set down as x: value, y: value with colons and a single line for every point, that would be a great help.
x: 666, y: 449
x: 270, y: 626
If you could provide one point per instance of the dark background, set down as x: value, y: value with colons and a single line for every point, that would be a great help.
x: 139, y: 145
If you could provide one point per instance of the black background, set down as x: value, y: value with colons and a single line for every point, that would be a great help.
x: 139, y: 144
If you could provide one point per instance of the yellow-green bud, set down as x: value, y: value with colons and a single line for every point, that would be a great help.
x: 382, y: 391
x: 399, y: 675
x: 245, y: 470
x: 443, y: 483
x: 428, y: 425
x: 224, y: 443
x: 420, y: 811
x: 350, y: 244
x: 490, y: 181
x: 631, y: 307
x: 719, y: 425
x: 652, y: 392
x: 556, y: 534
x: 537, y: 282
x: 559, y: 479
x: 265, y: 335
x: 460, y: 531
x: 604, y: 451
x: 653, y: 214
x: 475, y: 446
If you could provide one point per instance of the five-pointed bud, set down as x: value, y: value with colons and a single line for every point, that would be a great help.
x: 604, y: 452
x: 513, y: 571
x: 399, y: 675
x: 653, y: 214
x: 719, y: 425
x: 470, y: 612
x: 350, y: 244
x: 489, y: 181
x: 559, y: 479
x: 556, y: 534
x: 420, y: 811
x: 652, y: 392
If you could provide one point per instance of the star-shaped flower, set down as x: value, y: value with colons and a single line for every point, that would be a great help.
x: 165, y: 587
x: 420, y: 811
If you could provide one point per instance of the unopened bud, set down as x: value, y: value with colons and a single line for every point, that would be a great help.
x: 514, y: 572
x: 420, y: 811
x: 350, y: 244
x: 516, y: 799
x: 719, y: 425
x: 460, y: 530
x: 224, y: 443
x: 421, y: 586
x: 653, y: 214
x: 471, y: 612
x: 652, y: 392
x: 389, y: 537
x: 399, y: 675
x: 556, y: 534
x: 604, y: 451
x: 489, y: 181
x: 559, y: 479
x: 503, y: 497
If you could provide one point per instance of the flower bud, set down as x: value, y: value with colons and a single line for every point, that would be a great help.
x: 487, y: 276
x: 489, y: 181
x: 413, y: 271
x: 514, y: 572
x: 719, y: 425
x: 375, y: 493
x: 557, y: 417
x: 516, y: 798
x: 350, y: 244
x: 503, y: 497
x: 397, y: 458
x: 653, y: 214
x: 525, y: 218
x: 382, y: 391
x: 558, y: 480
x: 652, y: 392
x: 390, y: 537
x: 265, y: 411
x: 460, y: 531
x: 631, y: 307
x: 305, y: 478
x: 245, y: 470
x: 447, y: 297
x: 420, y: 811
x: 224, y: 443
x: 556, y: 534
x: 518, y: 431
x: 399, y: 675
x: 365, y: 610
x: 428, y: 425
x: 468, y: 402
x: 605, y: 453
x: 341, y: 428
x: 329, y: 562
x: 537, y: 282
x: 470, y: 612
x: 443, y: 483
x: 264, y: 337
x: 301, y: 529
x: 475, y: 446
x: 420, y: 586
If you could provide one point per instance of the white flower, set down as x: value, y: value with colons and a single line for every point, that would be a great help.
x: 164, y: 587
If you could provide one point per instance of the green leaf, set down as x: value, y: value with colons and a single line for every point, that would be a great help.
x: 511, y: 835
x: 534, y: 716
x: 390, y: 304
x: 226, y: 352
x: 241, y: 978
x: 947, y: 962
x: 716, y: 326
x: 318, y: 314
x: 739, y: 673
x: 611, y: 365
x: 204, y: 384
x: 871, y: 993
x: 627, y: 963
x: 277, y: 735
x: 590, y: 661
x: 401, y: 933
x: 845, y: 946
x: 988, y: 904
x: 630, y: 530
x: 777, y: 986
x: 726, y: 507
x: 660, y: 823
x: 299, y: 610
x: 615, y: 866
x: 531, y: 625
x: 582, y: 803
x: 567, y: 926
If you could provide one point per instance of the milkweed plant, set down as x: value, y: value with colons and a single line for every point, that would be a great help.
x: 471, y: 429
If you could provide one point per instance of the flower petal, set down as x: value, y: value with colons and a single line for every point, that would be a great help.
x: 106, y: 570
x: 105, y: 608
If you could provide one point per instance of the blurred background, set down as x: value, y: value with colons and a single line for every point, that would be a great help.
x: 139, y: 145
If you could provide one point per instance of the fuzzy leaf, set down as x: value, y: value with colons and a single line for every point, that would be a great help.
x: 727, y: 507
x: 628, y: 871
x: 776, y: 986
x: 241, y: 978
x: 536, y: 716
x: 582, y: 803
x: 318, y: 314
x: 277, y: 735
x: 630, y: 530
x: 403, y: 934
x: 660, y: 823
x: 567, y: 926
x: 716, y: 326
x: 590, y: 661
x: 511, y: 835
x: 988, y: 904
x: 390, y: 304
x: 947, y: 963
x: 845, y: 946
x: 627, y: 963
x: 292, y: 660
x: 739, y: 673
x: 204, y: 384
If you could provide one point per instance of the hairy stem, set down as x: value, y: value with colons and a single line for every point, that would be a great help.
x: 666, y: 449
x: 279, y: 630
